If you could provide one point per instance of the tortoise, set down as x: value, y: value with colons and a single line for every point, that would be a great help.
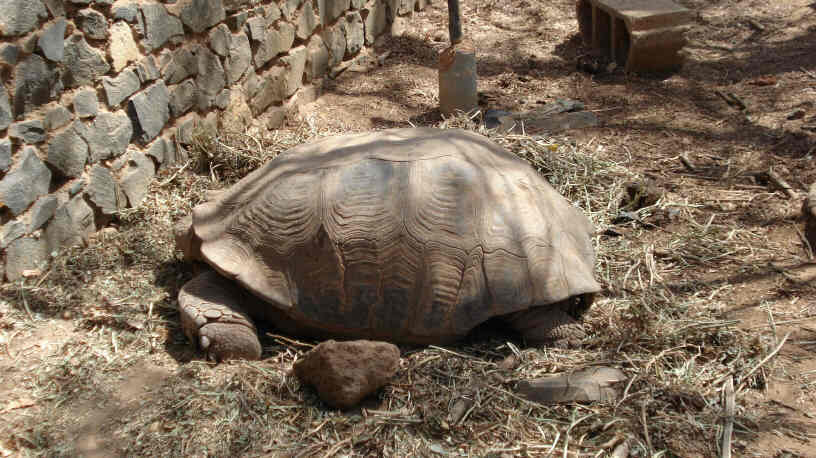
x: 411, y: 235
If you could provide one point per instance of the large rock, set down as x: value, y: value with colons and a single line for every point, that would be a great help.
x: 182, y: 63
x: 83, y: 63
x: 237, y: 114
x: 18, y: 17
x: 123, y: 48
x: 353, y: 30
x: 256, y: 28
x: 182, y: 98
x: 136, y: 177
x: 317, y: 59
x: 11, y: 231
x: 163, y: 150
x: 289, y: 7
x: 332, y: 9
x: 35, y: 82
x: 9, y: 52
x: 277, y: 41
x: 68, y: 152
x: 31, y: 132
x: 103, y: 190
x: 307, y: 22
x: 335, y: 39
x: 159, y: 26
x: 240, y: 56
x: 211, y: 77
x: 219, y: 38
x: 125, y: 10
x: 108, y: 136
x: 5, y: 109
x: 93, y: 23
x: 375, y: 22
x: 52, y: 40
x: 147, y: 70
x: 343, y: 373
x: 42, y: 210
x: 86, y: 105
x: 121, y: 87
x: 25, y: 254
x: 5, y: 154
x: 72, y: 223
x: 29, y: 180
x: 150, y: 111
x: 57, y: 117
x: 199, y: 15
x: 296, y: 63
x: 273, y: 89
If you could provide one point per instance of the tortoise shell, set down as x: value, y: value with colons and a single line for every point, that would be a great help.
x: 413, y: 235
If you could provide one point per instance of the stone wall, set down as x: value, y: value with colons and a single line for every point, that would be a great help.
x: 97, y: 95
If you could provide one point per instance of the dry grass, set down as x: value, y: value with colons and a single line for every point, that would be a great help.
x: 125, y: 382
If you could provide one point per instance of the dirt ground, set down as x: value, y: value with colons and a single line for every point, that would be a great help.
x: 713, y: 282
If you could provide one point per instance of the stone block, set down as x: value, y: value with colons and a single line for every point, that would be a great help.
x: 335, y: 39
x: 317, y: 59
x: 159, y: 26
x: 119, y: 88
x: 181, y: 64
x: 108, y: 136
x: 200, y: 15
x: 353, y: 30
x: 23, y: 185
x: 93, y: 24
x: 307, y: 22
x: 5, y: 109
x: 103, y: 190
x: 147, y: 70
x: 52, y: 40
x: 640, y: 35
x: 23, y: 255
x: 72, y: 223
x: 211, y: 77
x: 182, y: 98
x: 68, y: 152
x: 42, y: 211
x: 376, y: 20
x: 83, y: 63
x: 57, y: 117
x: 276, y: 41
x: 239, y: 58
x: 9, y: 52
x: 150, y: 110
x: 219, y: 39
x: 5, y: 154
x: 11, y: 231
x: 30, y: 132
x: 35, y: 83
x: 18, y: 17
x: 123, y: 48
x: 86, y: 104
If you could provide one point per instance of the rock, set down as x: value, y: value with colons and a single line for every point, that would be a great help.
x: 34, y: 84
x: 136, y: 178
x: 162, y: 150
x: 93, y: 23
x: 125, y: 10
x: 9, y: 53
x: 640, y: 194
x: 271, y: 12
x: 240, y: 56
x: 5, y: 109
x: 211, y: 77
x: 83, y: 64
x: 236, y: 22
x: 219, y: 39
x: 108, y: 136
x: 42, y: 211
x: 150, y: 110
x: 68, y: 152
x: 11, y: 231
x: 809, y: 215
x: 57, y: 117
x: 159, y: 26
x: 273, y: 90
x: 276, y: 41
x: 332, y: 9
x: 307, y: 22
x: 123, y: 48
x: 29, y: 180
x: 23, y: 255
x: 76, y: 186
x: 375, y: 22
x: 18, y: 17
x: 353, y: 30
x: 256, y: 28
x: 30, y: 132
x: 222, y: 99
x: 236, y: 5
x: 317, y: 59
x: 85, y: 103
x: 296, y: 63
x: 72, y: 223
x: 237, y: 114
x: 335, y: 40
x: 55, y: 7
x: 343, y: 373
x: 121, y: 87
x: 181, y: 65
x: 186, y: 126
x: 593, y: 384
x: 182, y: 97
x: 147, y: 70
x: 5, y: 154
x: 288, y: 8
x: 537, y: 121
x: 52, y: 40
x: 199, y: 15
x: 102, y: 190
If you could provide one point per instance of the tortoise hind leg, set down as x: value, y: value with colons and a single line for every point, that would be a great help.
x: 550, y: 325
x: 214, y: 319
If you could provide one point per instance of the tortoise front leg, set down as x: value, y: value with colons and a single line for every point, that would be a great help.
x: 214, y: 317
x: 548, y: 325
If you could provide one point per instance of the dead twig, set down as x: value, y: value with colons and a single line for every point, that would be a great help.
x: 781, y: 183
x: 729, y: 410
x: 687, y: 163
x: 764, y: 360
